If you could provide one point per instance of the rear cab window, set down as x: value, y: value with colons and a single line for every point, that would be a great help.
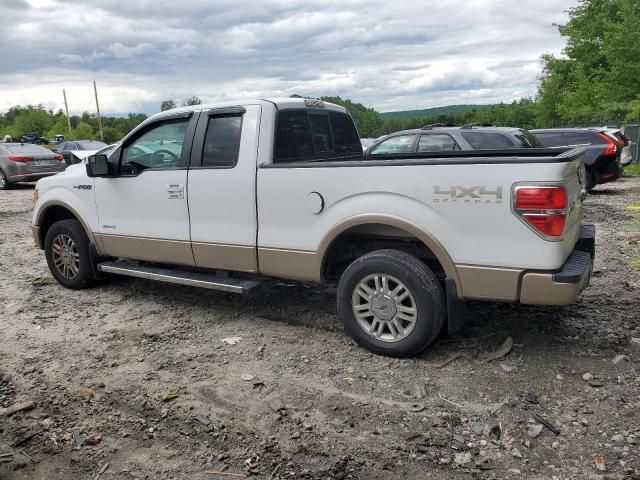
x: 488, y: 140
x: 315, y: 135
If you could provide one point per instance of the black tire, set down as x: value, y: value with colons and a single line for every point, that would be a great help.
x: 4, y: 183
x: 73, y: 230
x: 426, y: 291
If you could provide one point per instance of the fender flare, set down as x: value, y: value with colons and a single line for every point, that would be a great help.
x: 390, y: 220
x: 57, y: 203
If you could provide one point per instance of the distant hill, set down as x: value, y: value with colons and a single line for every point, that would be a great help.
x: 427, y: 112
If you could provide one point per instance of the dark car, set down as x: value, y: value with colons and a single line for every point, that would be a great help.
x: 65, y: 149
x: 25, y: 162
x: 32, y: 138
x: 451, y: 139
x: 602, y: 151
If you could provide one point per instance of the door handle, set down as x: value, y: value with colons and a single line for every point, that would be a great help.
x: 175, y: 191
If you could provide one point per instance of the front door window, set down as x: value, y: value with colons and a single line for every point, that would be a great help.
x: 158, y: 148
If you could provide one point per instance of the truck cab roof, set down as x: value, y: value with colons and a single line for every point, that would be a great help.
x: 281, y: 103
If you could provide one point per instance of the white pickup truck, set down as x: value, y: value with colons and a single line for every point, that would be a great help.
x: 224, y: 196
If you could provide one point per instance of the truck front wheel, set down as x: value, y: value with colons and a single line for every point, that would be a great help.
x: 391, y: 303
x: 66, y: 247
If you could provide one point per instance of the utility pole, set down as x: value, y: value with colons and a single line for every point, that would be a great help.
x: 66, y: 107
x: 95, y: 90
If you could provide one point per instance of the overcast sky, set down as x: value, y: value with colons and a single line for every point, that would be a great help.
x: 389, y: 54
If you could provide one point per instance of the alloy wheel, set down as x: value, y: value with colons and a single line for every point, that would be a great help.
x: 384, y: 307
x: 65, y: 256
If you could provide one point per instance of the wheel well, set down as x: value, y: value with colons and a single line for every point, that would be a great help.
x: 362, y: 239
x: 52, y: 215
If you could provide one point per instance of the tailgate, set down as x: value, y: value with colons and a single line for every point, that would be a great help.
x: 575, y: 182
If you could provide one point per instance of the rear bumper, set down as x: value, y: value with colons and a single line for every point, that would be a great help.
x: 564, y: 286
x: 608, y: 170
x: 554, y: 287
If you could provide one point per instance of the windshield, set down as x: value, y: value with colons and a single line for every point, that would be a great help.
x: 91, y: 145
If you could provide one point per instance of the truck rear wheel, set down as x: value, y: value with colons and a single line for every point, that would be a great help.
x: 66, y: 247
x: 391, y: 303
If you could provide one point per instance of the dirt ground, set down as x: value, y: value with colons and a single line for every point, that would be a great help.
x: 295, y: 397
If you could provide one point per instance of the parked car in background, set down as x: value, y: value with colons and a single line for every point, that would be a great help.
x: 367, y: 142
x: 624, y: 152
x: 7, y: 139
x: 602, y: 151
x: 452, y: 139
x: 66, y: 148
x: 24, y: 162
x: 33, y: 138
x: 106, y: 150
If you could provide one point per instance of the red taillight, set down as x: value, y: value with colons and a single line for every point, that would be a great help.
x: 544, y: 208
x: 19, y: 159
x: 58, y: 157
x: 612, y: 146
x: 541, y: 198
x: 548, y: 225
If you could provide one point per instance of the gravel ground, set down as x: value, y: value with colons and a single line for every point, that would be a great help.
x: 132, y: 379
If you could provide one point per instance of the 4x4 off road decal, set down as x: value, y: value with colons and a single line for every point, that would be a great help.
x: 476, y: 194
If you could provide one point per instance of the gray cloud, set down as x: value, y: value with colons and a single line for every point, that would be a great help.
x: 392, y: 55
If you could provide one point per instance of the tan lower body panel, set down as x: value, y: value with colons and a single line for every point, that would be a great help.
x: 540, y: 289
x: 292, y: 264
x: 147, y: 249
x: 238, y: 258
x: 489, y: 283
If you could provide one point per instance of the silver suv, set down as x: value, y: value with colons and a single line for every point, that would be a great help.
x: 27, y: 163
x: 450, y: 139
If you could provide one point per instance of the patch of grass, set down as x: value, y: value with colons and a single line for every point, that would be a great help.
x: 632, y: 169
x: 635, y: 263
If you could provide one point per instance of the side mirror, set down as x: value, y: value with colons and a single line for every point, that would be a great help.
x: 97, y: 166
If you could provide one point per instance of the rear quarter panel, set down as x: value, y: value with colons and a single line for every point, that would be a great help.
x: 478, y: 229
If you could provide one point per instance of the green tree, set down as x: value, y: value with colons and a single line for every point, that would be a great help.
x: 167, y: 105
x: 368, y: 122
x: 33, y: 119
x: 112, y: 134
x: 191, y: 101
x: 59, y: 127
x: 83, y: 131
x: 598, y: 79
